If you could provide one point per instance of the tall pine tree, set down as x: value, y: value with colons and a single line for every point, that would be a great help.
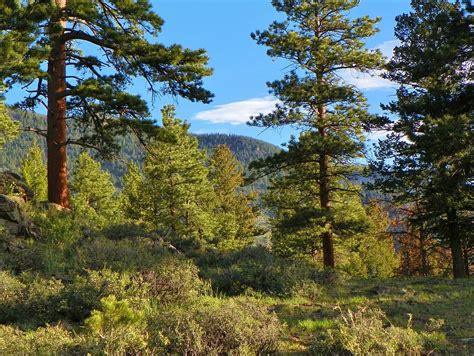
x: 319, y: 40
x: 427, y: 161
x: 77, y: 58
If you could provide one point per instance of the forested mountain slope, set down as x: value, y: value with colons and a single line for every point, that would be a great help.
x: 246, y: 149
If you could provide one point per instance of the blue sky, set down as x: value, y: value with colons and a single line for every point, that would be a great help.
x: 241, y: 67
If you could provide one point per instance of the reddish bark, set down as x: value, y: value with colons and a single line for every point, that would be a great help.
x: 57, y: 126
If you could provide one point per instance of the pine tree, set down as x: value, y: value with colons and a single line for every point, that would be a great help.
x: 235, y: 210
x: 319, y: 40
x: 180, y: 199
x: 8, y: 127
x: 33, y: 170
x: 298, y: 220
x: 427, y: 161
x: 94, y: 197
x: 133, y: 202
x: 372, y: 252
x: 77, y: 58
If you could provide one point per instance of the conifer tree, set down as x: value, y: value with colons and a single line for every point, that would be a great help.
x: 371, y: 253
x: 8, y: 127
x: 179, y: 197
x: 298, y: 220
x: 427, y: 160
x: 319, y: 40
x: 235, y: 210
x: 77, y: 58
x: 133, y: 201
x: 94, y: 197
x: 33, y: 170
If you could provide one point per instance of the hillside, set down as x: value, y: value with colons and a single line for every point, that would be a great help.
x: 246, y: 149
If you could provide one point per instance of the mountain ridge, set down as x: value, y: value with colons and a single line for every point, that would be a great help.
x: 245, y: 148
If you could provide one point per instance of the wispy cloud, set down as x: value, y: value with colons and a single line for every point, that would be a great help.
x: 238, y: 112
x: 373, y: 80
x: 366, y: 81
x: 387, y: 47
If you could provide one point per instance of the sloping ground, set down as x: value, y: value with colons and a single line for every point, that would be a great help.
x: 424, y: 301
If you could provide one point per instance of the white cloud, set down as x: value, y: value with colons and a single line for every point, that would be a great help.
x: 366, y: 81
x: 373, y: 80
x: 374, y: 136
x: 238, y: 112
x: 387, y: 47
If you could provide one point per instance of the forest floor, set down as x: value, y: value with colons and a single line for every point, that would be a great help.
x: 424, y: 301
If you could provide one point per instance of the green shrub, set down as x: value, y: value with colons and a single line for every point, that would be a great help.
x: 308, y: 289
x: 211, y: 326
x: 11, y: 289
x: 85, y: 292
x: 368, y: 331
x: 116, y: 328
x: 257, y: 269
x: 119, y: 255
x: 51, y: 340
x: 173, y: 280
x: 29, y: 299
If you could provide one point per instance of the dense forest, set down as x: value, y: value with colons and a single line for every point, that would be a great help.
x: 245, y: 149
x: 119, y: 236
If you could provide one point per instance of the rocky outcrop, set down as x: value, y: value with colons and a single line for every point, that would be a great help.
x: 12, y: 217
x: 12, y: 184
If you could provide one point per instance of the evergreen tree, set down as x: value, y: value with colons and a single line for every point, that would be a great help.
x: 94, y: 197
x: 33, y: 170
x: 372, y: 252
x: 8, y: 127
x: 235, y: 210
x: 427, y: 160
x: 298, y: 219
x: 179, y: 197
x: 319, y: 40
x: 77, y: 57
x: 133, y: 202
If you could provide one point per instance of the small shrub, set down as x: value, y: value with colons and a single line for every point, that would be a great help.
x: 308, y: 289
x: 173, y: 280
x: 120, y: 255
x: 41, y: 298
x: 368, y: 331
x: 115, y: 328
x: 11, y: 289
x: 29, y: 299
x: 51, y: 340
x: 211, y: 326
x: 257, y: 269
x: 85, y: 292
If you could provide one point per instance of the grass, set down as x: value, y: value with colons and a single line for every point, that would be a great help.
x: 447, y: 304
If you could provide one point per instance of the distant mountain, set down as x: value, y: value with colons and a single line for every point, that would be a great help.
x: 246, y: 149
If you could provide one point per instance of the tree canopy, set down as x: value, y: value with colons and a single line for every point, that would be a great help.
x: 79, y: 58
x: 319, y: 40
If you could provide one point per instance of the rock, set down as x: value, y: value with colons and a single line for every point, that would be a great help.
x: 10, y: 209
x: 12, y: 184
x: 12, y: 217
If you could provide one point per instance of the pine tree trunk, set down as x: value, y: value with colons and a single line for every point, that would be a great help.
x: 57, y: 126
x: 324, y: 193
x: 455, y: 244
